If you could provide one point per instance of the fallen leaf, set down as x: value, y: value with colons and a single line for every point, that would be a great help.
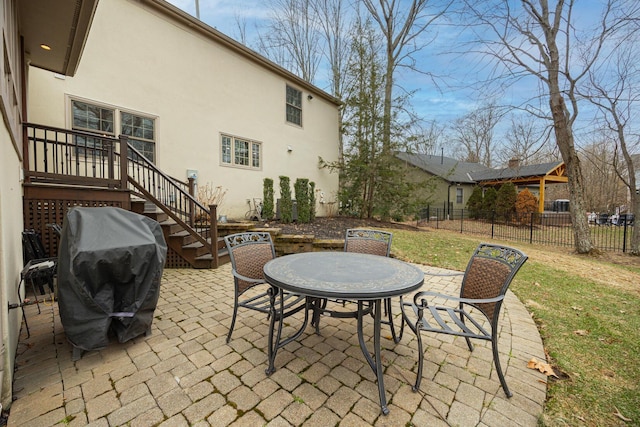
x: 622, y: 417
x: 545, y: 368
x: 575, y: 307
x: 581, y: 332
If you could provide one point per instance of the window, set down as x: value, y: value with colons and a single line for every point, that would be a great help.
x: 459, y: 195
x: 91, y: 118
x: 140, y: 131
x: 95, y: 118
x: 294, y: 106
x: 241, y: 152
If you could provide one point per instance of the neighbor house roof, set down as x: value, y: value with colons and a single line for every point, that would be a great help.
x: 449, y: 169
x: 511, y: 173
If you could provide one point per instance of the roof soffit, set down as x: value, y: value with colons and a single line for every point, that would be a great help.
x: 62, y: 25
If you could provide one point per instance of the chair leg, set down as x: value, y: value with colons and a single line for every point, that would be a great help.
x: 233, y: 320
x: 496, y: 362
x: 389, y: 314
x: 416, y: 387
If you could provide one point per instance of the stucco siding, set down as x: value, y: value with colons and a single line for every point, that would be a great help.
x: 138, y: 59
x: 10, y: 196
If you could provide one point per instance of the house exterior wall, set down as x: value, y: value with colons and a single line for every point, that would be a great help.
x: 436, y: 190
x: 141, y: 60
x: 10, y: 195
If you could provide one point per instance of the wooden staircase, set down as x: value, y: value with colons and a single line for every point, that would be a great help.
x: 180, y: 241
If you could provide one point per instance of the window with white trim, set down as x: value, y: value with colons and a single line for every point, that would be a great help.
x: 459, y: 195
x: 106, y: 119
x: 241, y: 152
x: 294, y: 106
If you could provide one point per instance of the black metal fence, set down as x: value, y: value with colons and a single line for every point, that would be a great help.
x: 547, y: 228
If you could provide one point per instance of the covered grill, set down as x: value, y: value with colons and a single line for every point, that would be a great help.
x: 110, y: 265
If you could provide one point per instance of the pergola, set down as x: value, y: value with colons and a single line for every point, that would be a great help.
x: 531, y: 175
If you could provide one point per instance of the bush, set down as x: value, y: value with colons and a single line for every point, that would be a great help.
x: 506, y: 200
x: 301, y: 189
x: 286, y: 205
x: 267, y: 199
x: 489, y: 200
x: 474, y: 204
x: 312, y: 201
x: 526, y: 204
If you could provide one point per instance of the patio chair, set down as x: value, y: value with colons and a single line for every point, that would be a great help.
x: 486, y: 280
x: 372, y: 242
x: 249, y: 252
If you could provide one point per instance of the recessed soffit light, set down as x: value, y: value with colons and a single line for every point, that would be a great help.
x: 45, y: 46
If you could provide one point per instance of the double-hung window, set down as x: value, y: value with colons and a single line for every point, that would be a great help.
x: 459, y: 195
x: 294, y: 106
x: 105, y: 120
x: 241, y: 152
x: 91, y: 118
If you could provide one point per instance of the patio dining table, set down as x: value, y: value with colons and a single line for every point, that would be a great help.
x: 345, y: 276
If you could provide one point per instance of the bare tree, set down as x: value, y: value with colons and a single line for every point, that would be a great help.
x: 334, y: 22
x: 474, y: 134
x: 605, y: 190
x: 526, y: 141
x: 614, y: 89
x: 293, y: 30
x: 542, y: 39
x: 401, y: 24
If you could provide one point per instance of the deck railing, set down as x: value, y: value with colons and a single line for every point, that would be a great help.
x: 62, y: 156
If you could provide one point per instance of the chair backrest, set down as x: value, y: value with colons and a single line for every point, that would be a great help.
x: 365, y: 241
x: 32, y: 246
x: 489, y: 274
x: 249, y: 252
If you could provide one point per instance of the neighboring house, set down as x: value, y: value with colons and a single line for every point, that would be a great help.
x: 454, y: 179
x: 62, y: 26
x: 195, y: 102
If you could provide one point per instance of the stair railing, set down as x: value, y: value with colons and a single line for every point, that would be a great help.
x: 63, y: 156
x: 171, y: 197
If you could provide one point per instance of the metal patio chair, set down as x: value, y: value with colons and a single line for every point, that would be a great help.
x: 249, y: 252
x: 364, y: 241
x: 486, y: 280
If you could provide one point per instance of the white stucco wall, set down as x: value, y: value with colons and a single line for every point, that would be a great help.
x: 10, y: 257
x: 11, y: 223
x: 137, y: 59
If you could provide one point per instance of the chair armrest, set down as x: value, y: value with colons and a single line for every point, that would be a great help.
x: 457, y: 273
x: 424, y: 303
x: 246, y: 279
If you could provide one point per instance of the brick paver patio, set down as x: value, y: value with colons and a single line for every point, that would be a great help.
x: 184, y: 373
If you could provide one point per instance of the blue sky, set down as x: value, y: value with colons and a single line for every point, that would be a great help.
x: 428, y: 101
x: 444, y: 105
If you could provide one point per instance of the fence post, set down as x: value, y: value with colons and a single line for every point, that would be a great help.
x: 461, y: 221
x: 624, y: 237
x: 493, y: 223
x: 531, y: 228
x: 124, y: 159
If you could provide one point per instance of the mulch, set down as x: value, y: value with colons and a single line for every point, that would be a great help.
x: 333, y: 227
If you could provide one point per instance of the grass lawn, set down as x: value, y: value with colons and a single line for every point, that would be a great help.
x: 590, y: 329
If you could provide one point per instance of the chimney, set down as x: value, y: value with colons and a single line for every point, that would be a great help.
x: 514, y: 163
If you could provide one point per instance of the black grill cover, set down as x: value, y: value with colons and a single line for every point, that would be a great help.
x: 110, y: 263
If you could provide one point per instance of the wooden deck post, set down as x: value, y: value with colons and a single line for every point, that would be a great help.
x: 124, y: 161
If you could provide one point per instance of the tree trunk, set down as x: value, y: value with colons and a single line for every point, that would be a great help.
x: 564, y: 140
